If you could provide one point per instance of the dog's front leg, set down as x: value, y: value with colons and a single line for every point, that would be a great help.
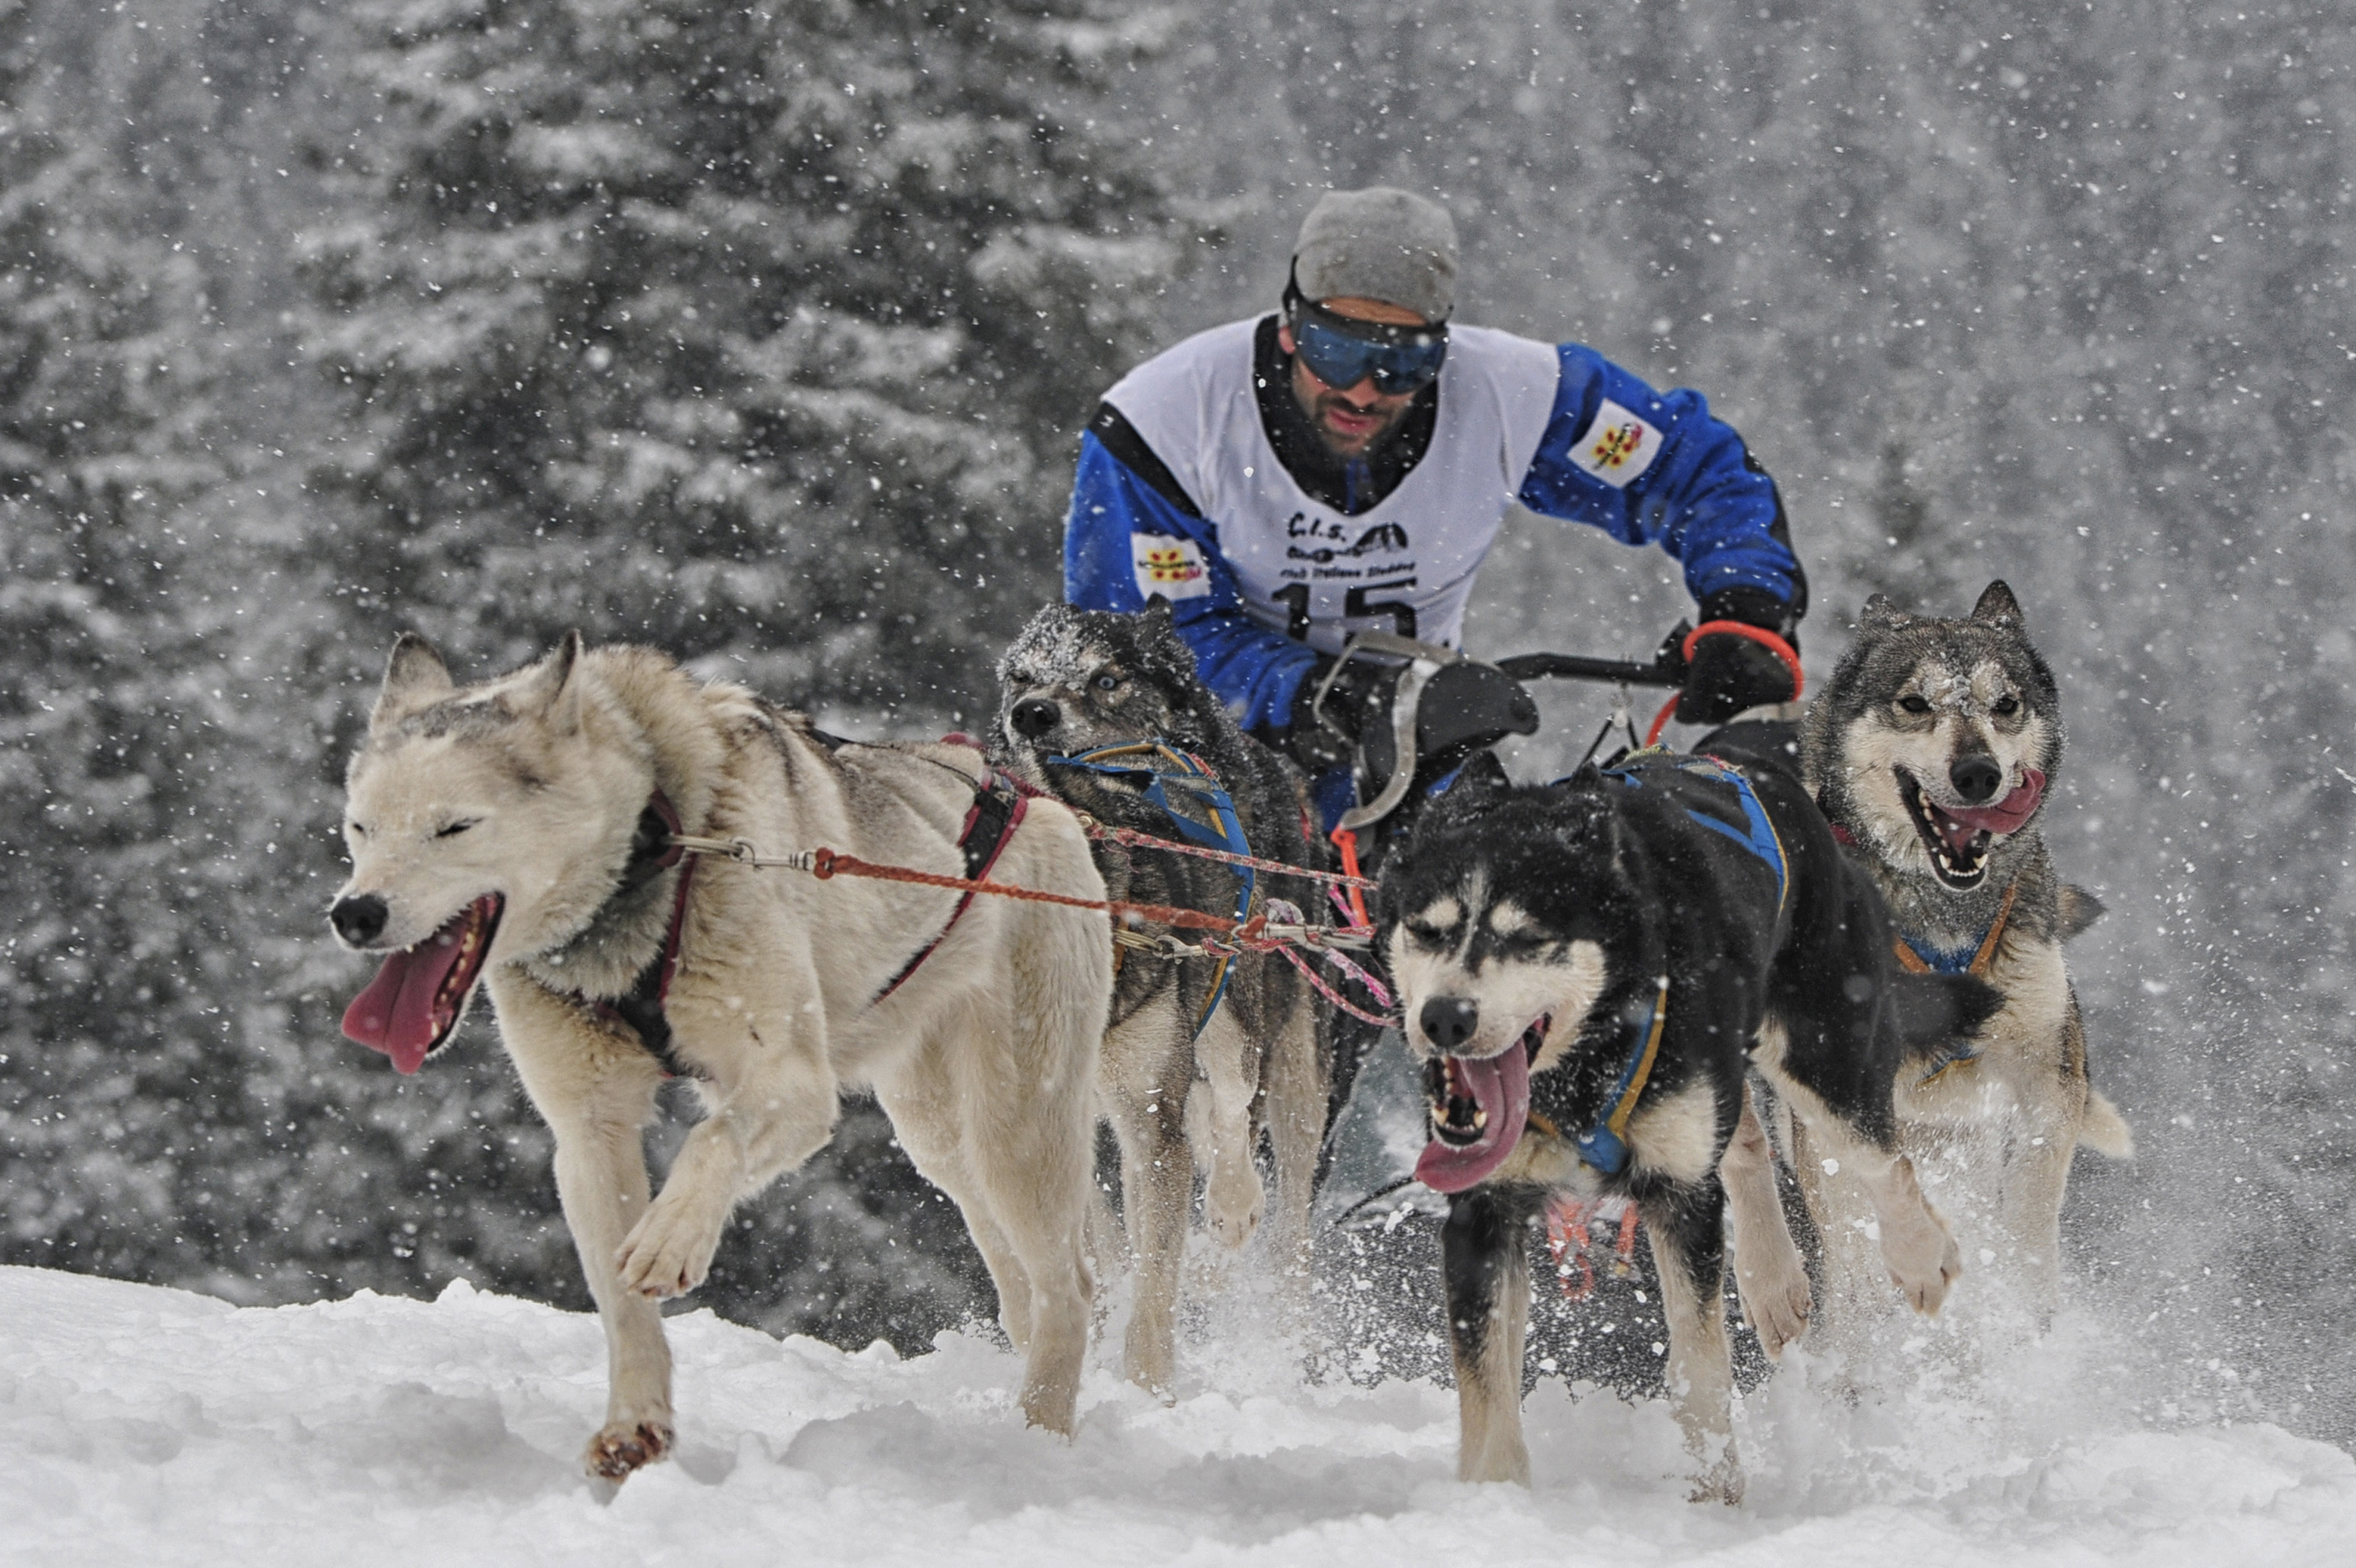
x: 596, y: 1093
x: 1485, y: 1253
x: 780, y: 1109
x: 1769, y: 1276
x: 1233, y: 1197
x: 1688, y: 1251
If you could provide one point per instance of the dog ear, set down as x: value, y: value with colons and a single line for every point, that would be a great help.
x: 1159, y: 612
x: 413, y: 677
x: 550, y: 688
x: 2079, y: 910
x: 1997, y: 605
x: 1881, y: 614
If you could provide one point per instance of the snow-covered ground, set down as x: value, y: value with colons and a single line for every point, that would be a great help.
x: 150, y: 1427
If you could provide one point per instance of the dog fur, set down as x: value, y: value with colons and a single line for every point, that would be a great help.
x: 1922, y: 717
x: 1077, y: 680
x: 528, y: 797
x: 1540, y: 920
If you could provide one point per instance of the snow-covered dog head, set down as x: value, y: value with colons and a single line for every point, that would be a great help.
x: 485, y: 824
x: 1936, y: 740
x: 1076, y: 679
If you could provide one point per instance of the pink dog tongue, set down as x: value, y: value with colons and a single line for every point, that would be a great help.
x: 395, y: 1013
x: 1500, y: 1086
x: 2007, y: 814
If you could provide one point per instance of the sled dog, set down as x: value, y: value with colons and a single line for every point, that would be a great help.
x: 1589, y: 969
x: 1933, y: 750
x: 521, y: 832
x: 1200, y: 1057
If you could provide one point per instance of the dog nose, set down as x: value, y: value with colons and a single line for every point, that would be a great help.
x: 1035, y: 716
x: 360, y: 919
x: 1449, y: 1021
x: 1976, y: 777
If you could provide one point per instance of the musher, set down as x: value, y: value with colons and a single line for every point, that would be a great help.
x: 1342, y: 465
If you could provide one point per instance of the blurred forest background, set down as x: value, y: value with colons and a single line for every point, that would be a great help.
x: 763, y: 333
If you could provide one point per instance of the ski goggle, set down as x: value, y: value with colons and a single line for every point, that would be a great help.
x: 1341, y: 353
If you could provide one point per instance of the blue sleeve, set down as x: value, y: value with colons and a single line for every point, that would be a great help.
x: 1702, y: 498
x: 1256, y: 672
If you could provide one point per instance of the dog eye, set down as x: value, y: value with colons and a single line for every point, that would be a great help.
x: 1107, y: 683
x: 2007, y: 703
x: 454, y: 829
x: 1426, y: 936
x: 1914, y: 703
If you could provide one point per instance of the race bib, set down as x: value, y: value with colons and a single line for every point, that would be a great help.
x: 1169, y: 566
x: 1618, y: 446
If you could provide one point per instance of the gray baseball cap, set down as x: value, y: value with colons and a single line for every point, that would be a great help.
x: 1379, y: 243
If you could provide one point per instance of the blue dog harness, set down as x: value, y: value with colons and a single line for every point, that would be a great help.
x: 1165, y: 766
x: 1604, y: 1146
x: 1757, y: 833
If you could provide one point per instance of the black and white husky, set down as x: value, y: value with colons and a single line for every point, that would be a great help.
x: 1932, y: 749
x: 1589, y: 969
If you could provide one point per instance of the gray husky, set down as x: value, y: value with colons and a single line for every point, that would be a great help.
x: 523, y: 833
x: 1192, y: 1077
x: 1933, y: 750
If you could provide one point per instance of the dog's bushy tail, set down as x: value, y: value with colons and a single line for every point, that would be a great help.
x: 1935, y: 1011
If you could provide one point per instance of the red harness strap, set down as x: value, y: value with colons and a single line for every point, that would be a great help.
x: 999, y: 805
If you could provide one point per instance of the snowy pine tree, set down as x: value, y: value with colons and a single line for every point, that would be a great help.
x: 762, y: 331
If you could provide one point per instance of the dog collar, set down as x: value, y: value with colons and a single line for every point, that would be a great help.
x: 1921, y: 959
x: 1604, y: 1146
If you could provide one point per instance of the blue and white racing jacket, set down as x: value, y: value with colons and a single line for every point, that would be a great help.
x: 1181, y: 493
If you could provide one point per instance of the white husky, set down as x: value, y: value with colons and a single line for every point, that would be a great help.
x: 521, y: 830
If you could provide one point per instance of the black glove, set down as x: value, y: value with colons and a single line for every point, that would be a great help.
x: 1728, y: 672
x: 1360, y: 698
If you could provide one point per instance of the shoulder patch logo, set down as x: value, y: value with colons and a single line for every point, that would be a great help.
x: 1618, y: 447
x: 1170, y: 566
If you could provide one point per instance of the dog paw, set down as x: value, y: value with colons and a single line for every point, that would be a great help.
x: 1925, y: 1285
x: 667, y: 1253
x: 625, y: 1446
x: 1233, y: 1203
x: 1721, y: 1483
x: 1777, y: 1305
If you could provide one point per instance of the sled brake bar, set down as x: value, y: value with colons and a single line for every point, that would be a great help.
x: 1576, y: 667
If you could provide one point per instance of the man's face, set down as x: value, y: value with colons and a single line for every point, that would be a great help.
x: 1350, y: 419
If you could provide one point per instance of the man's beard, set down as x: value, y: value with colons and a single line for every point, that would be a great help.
x: 1345, y: 443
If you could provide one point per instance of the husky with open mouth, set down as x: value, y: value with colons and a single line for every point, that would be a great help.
x: 523, y: 834
x: 1933, y: 749
x: 1589, y: 969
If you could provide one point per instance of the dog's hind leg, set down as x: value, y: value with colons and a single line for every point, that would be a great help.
x: 1689, y: 1251
x: 1769, y: 1276
x: 1485, y: 1263
x: 597, y: 1092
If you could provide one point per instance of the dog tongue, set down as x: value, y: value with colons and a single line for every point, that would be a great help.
x: 2007, y: 815
x: 395, y: 1013
x: 1501, y: 1087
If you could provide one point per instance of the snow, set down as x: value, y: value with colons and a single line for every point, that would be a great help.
x: 154, y: 1426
